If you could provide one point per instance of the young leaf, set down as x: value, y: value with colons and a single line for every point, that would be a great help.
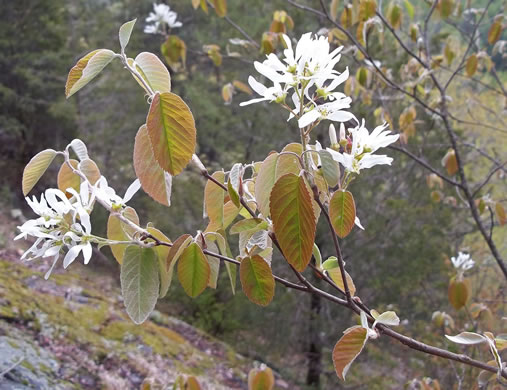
x: 214, y: 264
x: 139, y: 282
x: 265, y: 182
x: 117, y: 232
x: 333, y: 10
x: 156, y: 182
x: 293, y: 219
x: 214, y: 200
x: 410, y: 8
x: 176, y: 250
x: 67, y: 178
x: 172, y: 132
x: 193, y: 270
x: 330, y: 168
x: 90, y: 170
x: 225, y: 250
x: 261, y: 379
x: 495, y: 31
x: 342, y: 211
x: 86, y: 69
x: 174, y: 49
x: 36, y: 168
x: 467, y: 338
x: 450, y: 163
x: 387, y: 318
x: 125, y: 32
x: 162, y: 251
x: 79, y: 148
x: 257, y: 280
x: 458, y: 293
x: 153, y: 72
x: 220, y: 7
x: 332, y: 268
x: 348, y: 348
x: 192, y: 384
x: 251, y: 225
x: 471, y: 65
x: 446, y: 8
x: 500, y: 213
x: 317, y: 256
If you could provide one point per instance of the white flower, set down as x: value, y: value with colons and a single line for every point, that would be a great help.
x: 274, y: 93
x: 108, y: 195
x: 162, y: 15
x: 358, y: 154
x: 463, y: 262
x: 332, y: 111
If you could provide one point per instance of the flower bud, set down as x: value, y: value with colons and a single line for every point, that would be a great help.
x: 332, y: 135
x: 342, y: 131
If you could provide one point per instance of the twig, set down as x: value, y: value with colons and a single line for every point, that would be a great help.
x: 12, y: 367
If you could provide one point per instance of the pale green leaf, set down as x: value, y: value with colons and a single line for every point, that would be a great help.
x: 125, y: 32
x: 36, y: 168
x: 193, y: 270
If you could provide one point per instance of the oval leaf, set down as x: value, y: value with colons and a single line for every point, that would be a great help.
x: 153, y: 71
x: 261, y: 379
x: 348, y: 348
x: 90, y: 170
x: 467, y: 338
x: 86, y: 69
x: 155, y: 181
x: 125, y: 32
x: 293, y: 219
x: 117, y: 231
x: 220, y: 7
x: 172, y: 132
x: 162, y: 251
x: 342, y: 211
x: 332, y: 267
x: 214, y: 197
x: 265, y: 182
x: 79, y: 148
x: 67, y: 178
x: 36, y: 168
x: 139, y: 282
x: 458, y: 293
x: 471, y: 65
x: 193, y: 270
x: 330, y: 168
x: 257, y: 280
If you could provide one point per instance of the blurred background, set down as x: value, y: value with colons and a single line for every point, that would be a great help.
x: 399, y: 262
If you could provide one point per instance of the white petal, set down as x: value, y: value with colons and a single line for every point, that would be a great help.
x: 87, y: 252
x: 252, y: 101
x: 133, y: 188
x: 256, y: 86
x: 71, y: 255
x: 341, y: 116
x: 358, y: 223
x: 309, y: 117
x: 48, y: 274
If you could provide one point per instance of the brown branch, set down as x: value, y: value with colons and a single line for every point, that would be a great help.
x: 488, y: 178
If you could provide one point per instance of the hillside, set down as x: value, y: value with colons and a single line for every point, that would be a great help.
x: 71, y: 332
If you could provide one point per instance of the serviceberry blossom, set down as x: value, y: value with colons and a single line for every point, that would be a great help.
x: 463, y: 262
x: 358, y: 151
x: 107, y: 194
x: 308, y: 74
x: 62, y: 223
x: 162, y: 16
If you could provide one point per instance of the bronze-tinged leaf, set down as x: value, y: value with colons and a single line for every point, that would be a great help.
x: 257, y: 280
x: 153, y: 71
x: 68, y: 179
x: 342, y: 211
x: 220, y: 7
x: 90, y: 170
x: 261, y: 379
x: 242, y: 87
x: 265, y: 182
x: 36, y: 168
x: 154, y: 180
x: 174, y: 49
x: 86, y: 69
x: 458, y: 292
x: 192, y: 384
x: 214, y: 197
x: 348, y: 348
x: 227, y: 92
x: 171, y: 128
x: 177, y: 249
x: 450, y: 162
x: 193, y: 270
x: 293, y: 219
x: 333, y: 10
x: 500, y: 213
x: 118, y: 231
x: 471, y: 65
x: 495, y: 31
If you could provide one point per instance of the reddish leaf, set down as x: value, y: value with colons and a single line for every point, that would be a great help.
x: 348, y: 348
x: 342, y: 211
x: 257, y: 280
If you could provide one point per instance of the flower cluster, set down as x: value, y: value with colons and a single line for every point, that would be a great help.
x: 463, y: 262
x: 64, y: 224
x: 308, y: 72
x: 162, y: 16
x: 356, y: 150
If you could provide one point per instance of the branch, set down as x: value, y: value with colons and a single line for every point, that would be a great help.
x: 488, y: 178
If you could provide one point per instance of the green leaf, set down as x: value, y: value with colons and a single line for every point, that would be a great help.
x: 330, y: 168
x: 174, y: 49
x: 233, y: 194
x: 388, y: 318
x: 394, y: 15
x: 317, y: 256
x: 172, y: 132
x: 155, y: 181
x: 214, y: 264
x: 332, y: 268
x: 342, y: 211
x: 348, y: 348
x: 67, y: 178
x: 193, y: 270
x: 118, y: 231
x: 162, y: 251
x: 36, y: 168
x: 410, y: 9
x: 176, y: 250
x: 257, y: 280
x: 125, y: 32
x: 153, y: 72
x: 139, y: 282
x: 471, y: 65
x: 467, y: 338
x: 458, y: 293
x: 214, y: 197
x: 446, y: 8
x: 225, y: 250
x: 234, y: 184
x: 86, y: 69
x: 251, y: 225
x: 293, y: 219
x: 220, y: 7
x: 495, y: 31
